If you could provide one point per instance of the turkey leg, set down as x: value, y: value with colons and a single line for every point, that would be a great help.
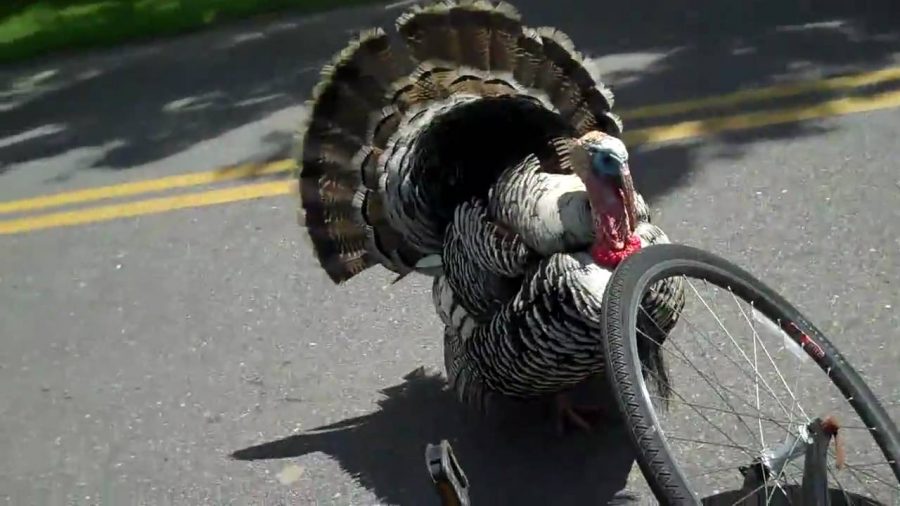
x: 565, y: 410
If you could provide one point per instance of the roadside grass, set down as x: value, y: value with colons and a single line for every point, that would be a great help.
x: 30, y: 28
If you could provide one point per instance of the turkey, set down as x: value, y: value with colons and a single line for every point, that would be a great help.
x: 483, y: 153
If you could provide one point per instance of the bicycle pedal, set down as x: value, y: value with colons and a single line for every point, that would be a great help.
x: 448, y: 477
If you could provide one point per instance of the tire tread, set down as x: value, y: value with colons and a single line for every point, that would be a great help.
x: 623, y: 294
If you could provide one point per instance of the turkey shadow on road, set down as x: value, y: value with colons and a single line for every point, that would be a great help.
x: 658, y: 169
x: 513, y: 458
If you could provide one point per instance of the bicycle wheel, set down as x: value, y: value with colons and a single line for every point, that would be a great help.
x: 754, y: 452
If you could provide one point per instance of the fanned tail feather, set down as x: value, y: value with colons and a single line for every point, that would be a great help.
x: 576, y: 88
x: 334, y: 147
x: 491, y: 37
x: 473, y: 33
x: 367, y: 100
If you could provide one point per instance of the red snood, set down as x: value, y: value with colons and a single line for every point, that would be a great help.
x: 608, y: 258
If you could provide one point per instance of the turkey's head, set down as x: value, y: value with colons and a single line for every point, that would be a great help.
x: 610, y: 189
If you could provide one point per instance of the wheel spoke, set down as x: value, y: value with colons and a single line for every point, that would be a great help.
x: 704, y: 376
x: 733, y: 341
x: 731, y: 362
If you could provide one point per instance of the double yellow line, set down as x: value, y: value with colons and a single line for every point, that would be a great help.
x: 673, y: 132
x: 147, y: 206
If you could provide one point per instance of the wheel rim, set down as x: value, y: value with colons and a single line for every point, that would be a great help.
x: 725, y: 419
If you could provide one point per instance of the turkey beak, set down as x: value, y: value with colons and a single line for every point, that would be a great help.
x: 628, y: 197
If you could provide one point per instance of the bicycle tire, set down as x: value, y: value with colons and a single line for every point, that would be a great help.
x: 624, y: 371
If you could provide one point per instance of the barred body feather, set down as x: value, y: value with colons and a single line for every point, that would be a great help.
x: 459, y: 162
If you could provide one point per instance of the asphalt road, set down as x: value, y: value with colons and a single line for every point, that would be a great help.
x: 137, y: 354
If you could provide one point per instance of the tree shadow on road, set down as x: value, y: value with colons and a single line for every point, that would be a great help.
x: 192, y: 94
x: 510, y: 459
x: 168, y: 97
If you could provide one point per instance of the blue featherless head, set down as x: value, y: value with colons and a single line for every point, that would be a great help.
x: 608, y: 155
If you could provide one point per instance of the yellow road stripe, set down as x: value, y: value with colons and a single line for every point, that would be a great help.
x: 767, y: 93
x: 679, y: 131
x: 146, y: 186
x: 837, y: 107
x: 248, y: 170
x: 142, y: 207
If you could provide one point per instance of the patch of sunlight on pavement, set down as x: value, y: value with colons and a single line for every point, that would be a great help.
x: 23, y: 89
x: 258, y: 100
x: 400, y: 4
x: 34, y: 133
x: 28, y: 82
x: 247, y: 143
x: 23, y: 86
x: 273, y: 28
x: 31, y: 178
x: 247, y: 37
x: 196, y: 103
x: 837, y: 25
x: 623, y: 68
x: 265, y: 139
x: 290, y: 474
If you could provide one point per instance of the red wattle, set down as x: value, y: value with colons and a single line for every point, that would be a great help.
x: 608, y: 258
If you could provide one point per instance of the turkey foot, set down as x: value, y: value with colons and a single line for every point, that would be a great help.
x: 566, y: 410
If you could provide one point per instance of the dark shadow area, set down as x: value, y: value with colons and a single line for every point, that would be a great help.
x: 511, y: 458
x: 161, y: 99
x: 700, y: 48
x: 148, y: 102
x: 659, y: 170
